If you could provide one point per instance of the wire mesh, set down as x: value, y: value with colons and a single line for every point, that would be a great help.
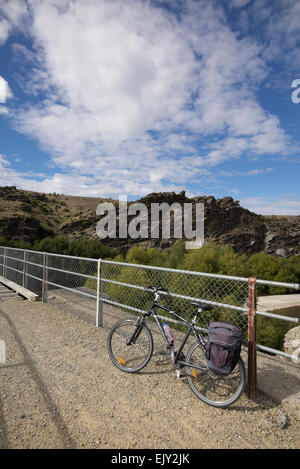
x: 2, y: 251
x: 122, y: 286
x: 125, y: 284
x: 13, y: 265
x: 78, y: 274
x: 33, y: 271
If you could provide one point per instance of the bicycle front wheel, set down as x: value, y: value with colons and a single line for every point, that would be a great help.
x: 215, y: 390
x: 130, y: 346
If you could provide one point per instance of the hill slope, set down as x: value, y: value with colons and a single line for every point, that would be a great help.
x: 30, y: 216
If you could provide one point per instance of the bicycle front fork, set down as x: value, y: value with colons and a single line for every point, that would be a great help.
x: 136, y: 332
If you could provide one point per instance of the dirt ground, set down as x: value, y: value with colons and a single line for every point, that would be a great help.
x: 59, y: 389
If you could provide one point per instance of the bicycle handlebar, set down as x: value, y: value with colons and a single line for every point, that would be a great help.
x: 156, y: 289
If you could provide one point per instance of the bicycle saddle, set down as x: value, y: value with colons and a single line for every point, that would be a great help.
x: 203, y: 306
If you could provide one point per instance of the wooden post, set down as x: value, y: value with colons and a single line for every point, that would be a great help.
x: 99, y: 311
x: 252, y: 339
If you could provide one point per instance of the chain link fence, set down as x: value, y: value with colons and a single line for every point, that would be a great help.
x: 33, y: 271
x: 12, y: 267
x: 124, y: 284
x: 71, y: 273
x: 84, y: 284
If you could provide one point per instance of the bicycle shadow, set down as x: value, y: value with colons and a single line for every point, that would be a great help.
x: 284, y: 377
x: 244, y: 404
x: 158, y: 365
x: 49, y: 402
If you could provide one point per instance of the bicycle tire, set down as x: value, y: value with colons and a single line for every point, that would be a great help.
x: 124, y: 356
x: 215, y: 390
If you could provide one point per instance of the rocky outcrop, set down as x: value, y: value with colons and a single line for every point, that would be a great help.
x: 167, y: 197
x: 282, y: 235
x: 226, y: 223
x: 292, y: 344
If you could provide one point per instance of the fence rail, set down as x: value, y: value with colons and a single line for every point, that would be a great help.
x: 123, y: 286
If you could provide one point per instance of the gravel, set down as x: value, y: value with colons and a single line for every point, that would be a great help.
x: 59, y: 389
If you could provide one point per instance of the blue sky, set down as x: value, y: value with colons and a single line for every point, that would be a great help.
x: 101, y: 98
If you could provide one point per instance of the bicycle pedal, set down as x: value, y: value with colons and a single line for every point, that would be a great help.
x: 178, y: 374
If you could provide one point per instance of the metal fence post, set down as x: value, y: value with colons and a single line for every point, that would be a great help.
x: 45, y: 278
x: 99, y: 312
x: 252, y: 339
x: 5, y: 264
x: 4, y: 259
x: 24, y: 269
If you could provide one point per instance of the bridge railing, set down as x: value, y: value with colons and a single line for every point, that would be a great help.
x: 123, y: 286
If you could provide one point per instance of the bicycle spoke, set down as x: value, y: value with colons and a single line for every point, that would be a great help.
x: 216, y: 390
x: 130, y: 355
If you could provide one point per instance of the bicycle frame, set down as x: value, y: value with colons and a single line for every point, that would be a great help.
x: 212, y: 388
x: 191, y: 328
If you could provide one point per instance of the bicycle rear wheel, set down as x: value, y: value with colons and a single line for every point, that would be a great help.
x: 215, y: 390
x: 126, y: 354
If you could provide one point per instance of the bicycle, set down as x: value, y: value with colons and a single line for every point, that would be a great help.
x: 130, y: 347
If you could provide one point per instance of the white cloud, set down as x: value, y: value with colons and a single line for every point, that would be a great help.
x: 239, y: 3
x: 281, y: 31
x: 4, y: 30
x: 251, y: 172
x: 269, y: 206
x: 5, y: 94
x: 133, y: 94
x: 12, y: 13
x: 234, y: 192
x: 3, y: 161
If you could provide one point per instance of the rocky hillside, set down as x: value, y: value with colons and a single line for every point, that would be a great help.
x: 30, y: 216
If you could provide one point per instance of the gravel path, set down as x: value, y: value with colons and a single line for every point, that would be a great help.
x: 58, y: 389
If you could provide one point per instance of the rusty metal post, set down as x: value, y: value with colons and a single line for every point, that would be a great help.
x: 252, y: 339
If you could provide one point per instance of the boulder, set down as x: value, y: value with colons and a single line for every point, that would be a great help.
x: 292, y: 344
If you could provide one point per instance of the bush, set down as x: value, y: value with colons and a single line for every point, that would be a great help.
x: 146, y: 256
x: 267, y: 267
x: 213, y: 259
x: 77, y: 247
x: 270, y: 332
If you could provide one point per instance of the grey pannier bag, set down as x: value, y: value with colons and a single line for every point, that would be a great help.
x: 223, y: 347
